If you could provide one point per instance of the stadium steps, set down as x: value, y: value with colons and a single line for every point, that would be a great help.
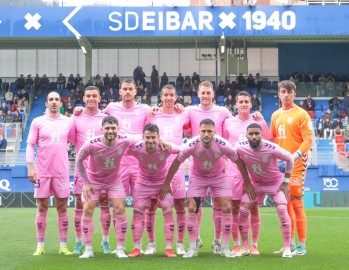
x: 38, y: 108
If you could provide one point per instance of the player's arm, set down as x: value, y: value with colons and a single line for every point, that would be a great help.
x: 29, y: 153
x: 284, y: 187
x: 79, y: 165
x: 306, y: 129
x: 249, y: 189
x: 166, y: 188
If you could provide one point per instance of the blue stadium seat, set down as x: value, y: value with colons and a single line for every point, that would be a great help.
x: 317, y: 106
x: 65, y: 92
x: 220, y: 99
x: 172, y: 83
x: 5, y: 86
x: 195, y: 100
x: 275, y: 85
x: 13, y: 86
x: 148, y: 85
x: 317, y: 114
x: 347, y: 147
x: 180, y: 92
x: 253, y: 91
x: 267, y: 84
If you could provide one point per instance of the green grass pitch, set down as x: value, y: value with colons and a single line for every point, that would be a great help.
x: 327, y: 245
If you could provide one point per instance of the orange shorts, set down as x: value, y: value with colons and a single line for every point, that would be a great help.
x: 296, y: 184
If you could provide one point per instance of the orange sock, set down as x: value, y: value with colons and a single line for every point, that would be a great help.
x: 292, y: 217
x: 301, y: 219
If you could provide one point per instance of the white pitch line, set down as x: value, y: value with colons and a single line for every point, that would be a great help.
x: 310, y: 216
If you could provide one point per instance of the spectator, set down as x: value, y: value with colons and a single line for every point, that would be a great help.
x: 4, y: 108
x: 195, y: 88
x: 179, y: 100
x: 187, y: 88
x: 106, y: 81
x: 20, y: 82
x: 328, y: 114
x: 17, y: 118
x: 71, y: 150
x: 69, y: 107
x: 2, y: 117
x: 250, y: 81
x: 3, y: 143
x: 346, y: 102
x: 320, y: 128
x: 164, y: 80
x: 179, y: 81
x: 330, y: 82
x: 337, y: 126
x: 24, y: 93
x: 256, y: 103
x: 139, y: 87
x: 230, y: 103
x: 115, y: 82
x: 142, y: 75
x: 89, y: 83
x: 196, y: 77
x: 309, y: 104
x: 258, y: 81
x: 23, y: 104
x: 220, y: 89
x: 61, y: 81
x: 241, y: 80
x: 14, y: 106
x: 302, y: 105
x: 335, y: 105
x: 44, y: 84
x: 9, y: 97
x: 328, y: 130
x: 137, y: 73
x: 345, y: 122
x: 29, y: 82
x: 9, y: 117
x: 77, y: 80
x: 70, y: 82
x: 37, y: 83
x: 154, y: 77
x: 99, y: 82
x: 78, y: 95
x: 112, y: 95
x: 81, y: 86
x: 346, y: 135
x: 188, y: 103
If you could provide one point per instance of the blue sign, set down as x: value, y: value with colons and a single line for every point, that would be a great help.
x: 176, y: 21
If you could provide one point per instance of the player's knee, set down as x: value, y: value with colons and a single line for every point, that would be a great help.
x: 235, y: 207
x: 179, y: 204
x: 255, y: 209
x: 119, y: 209
x: 226, y: 208
x: 61, y: 205
x: 103, y: 199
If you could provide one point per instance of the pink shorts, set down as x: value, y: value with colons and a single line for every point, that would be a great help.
x: 144, y: 194
x: 220, y: 186
x: 237, y: 186
x: 128, y: 176
x: 178, y: 184
x: 52, y: 186
x: 115, y: 191
x: 278, y: 198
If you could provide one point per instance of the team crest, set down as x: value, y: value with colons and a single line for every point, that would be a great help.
x: 161, y: 157
x: 120, y: 151
x: 289, y: 120
x: 265, y: 159
x: 217, y: 155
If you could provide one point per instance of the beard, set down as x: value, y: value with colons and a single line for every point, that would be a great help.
x: 254, y: 144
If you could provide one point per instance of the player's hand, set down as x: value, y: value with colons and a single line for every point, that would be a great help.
x: 285, y: 188
x: 179, y: 108
x: 249, y: 189
x: 282, y: 166
x: 87, y: 191
x: 78, y: 110
x: 32, y: 175
x: 165, y: 189
x: 153, y: 110
x: 257, y: 116
x: 164, y: 145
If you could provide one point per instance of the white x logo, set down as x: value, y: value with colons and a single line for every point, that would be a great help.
x: 32, y: 21
x: 227, y: 20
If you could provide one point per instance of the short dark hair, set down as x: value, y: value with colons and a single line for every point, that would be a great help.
x: 110, y: 120
x: 92, y: 87
x: 254, y: 125
x: 128, y: 81
x: 207, y: 121
x: 151, y: 128
x: 288, y: 85
x: 243, y: 93
x: 53, y: 92
x: 168, y: 86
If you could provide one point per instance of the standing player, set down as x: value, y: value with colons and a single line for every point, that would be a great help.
x: 171, y: 125
x: 104, y: 153
x: 292, y: 128
x: 153, y: 167
x: 207, y: 109
x: 86, y: 126
x: 234, y: 130
x: 50, y: 176
x: 208, y: 171
x: 261, y: 159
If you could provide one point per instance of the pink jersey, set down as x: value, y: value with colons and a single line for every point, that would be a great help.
x: 50, y: 134
x: 104, y: 161
x: 207, y: 163
x: 235, y: 129
x: 85, y: 127
x: 131, y: 121
x: 262, y: 164
x: 170, y: 125
x: 152, y: 167
x: 216, y: 113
